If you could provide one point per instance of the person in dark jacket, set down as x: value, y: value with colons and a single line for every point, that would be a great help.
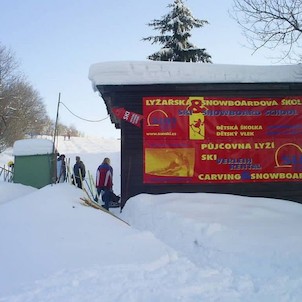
x: 104, y: 177
x: 79, y: 171
x: 61, y: 168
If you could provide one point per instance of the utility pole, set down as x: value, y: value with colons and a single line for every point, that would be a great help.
x: 56, y: 124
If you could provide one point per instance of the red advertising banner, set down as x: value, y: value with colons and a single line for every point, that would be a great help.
x: 131, y: 117
x: 222, y: 140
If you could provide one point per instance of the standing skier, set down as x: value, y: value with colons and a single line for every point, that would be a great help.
x: 104, y: 176
x: 79, y: 171
x: 61, y: 168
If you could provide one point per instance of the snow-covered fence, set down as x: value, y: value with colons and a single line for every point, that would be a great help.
x: 7, y: 174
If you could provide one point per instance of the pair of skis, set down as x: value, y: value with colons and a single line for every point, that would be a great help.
x: 92, y: 203
x: 92, y: 196
x: 91, y: 199
x: 90, y: 184
x: 68, y: 172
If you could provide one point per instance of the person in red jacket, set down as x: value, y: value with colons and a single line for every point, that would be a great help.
x: 104, y: 176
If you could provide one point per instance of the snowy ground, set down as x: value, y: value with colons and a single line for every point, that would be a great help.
x: 179, y: 247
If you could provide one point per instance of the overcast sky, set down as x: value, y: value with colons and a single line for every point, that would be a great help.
x: 56, y: 41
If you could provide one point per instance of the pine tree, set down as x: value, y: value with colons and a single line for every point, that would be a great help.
x: 174, y: 35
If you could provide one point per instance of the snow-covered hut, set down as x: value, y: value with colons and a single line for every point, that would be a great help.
x: 193, y: 127
x: 34, y: 162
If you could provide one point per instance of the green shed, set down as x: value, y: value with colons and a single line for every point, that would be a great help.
x: 35, y: 162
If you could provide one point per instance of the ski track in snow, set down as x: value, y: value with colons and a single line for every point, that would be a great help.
x: 82, y: 145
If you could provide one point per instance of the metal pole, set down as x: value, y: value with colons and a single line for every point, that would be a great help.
x: 56, y: 124
x: 54, y: 177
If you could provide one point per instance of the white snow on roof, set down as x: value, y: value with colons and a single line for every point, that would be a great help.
x: 158, y: 72
x: 32, y: 147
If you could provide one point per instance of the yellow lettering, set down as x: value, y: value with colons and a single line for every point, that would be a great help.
x: 265, y: 145
x: 291, y: 102
x: 272, y: 176
x: 209, y: 157
x: 217, y: 177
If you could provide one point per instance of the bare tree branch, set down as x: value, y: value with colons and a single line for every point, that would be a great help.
x: 273, y: 24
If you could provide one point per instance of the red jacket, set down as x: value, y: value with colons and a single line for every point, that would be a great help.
x: 104, y: 175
